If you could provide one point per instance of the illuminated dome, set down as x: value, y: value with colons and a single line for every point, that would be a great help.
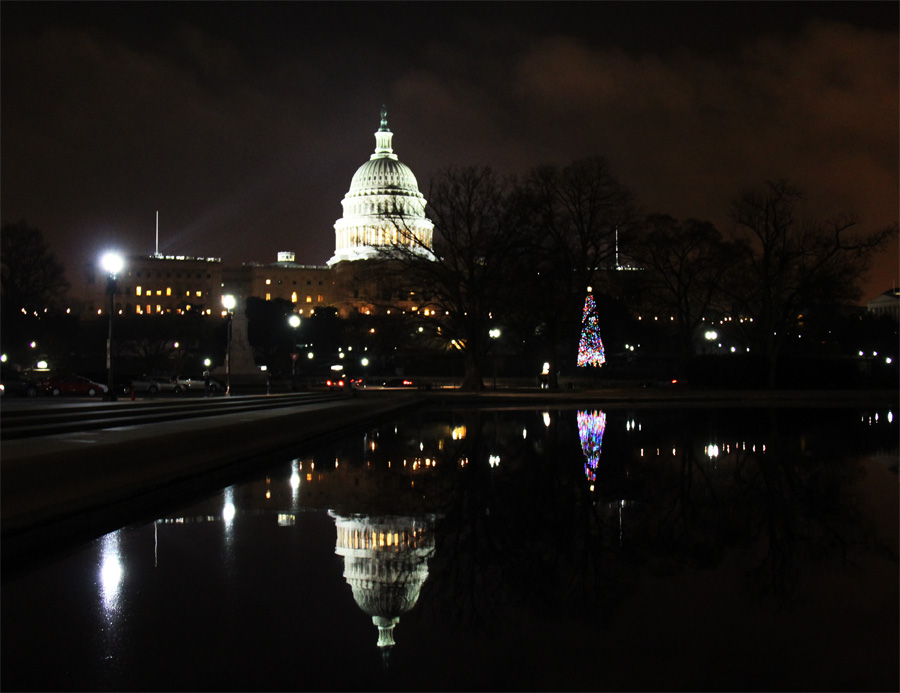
x: 383, y: 206
x: 384, y: 175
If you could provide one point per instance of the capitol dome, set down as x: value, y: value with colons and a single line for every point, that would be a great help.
x: 383, y: 207
x: 384, y: 176
x: 385, y: 564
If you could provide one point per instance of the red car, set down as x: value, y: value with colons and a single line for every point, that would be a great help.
x: 72, y: 385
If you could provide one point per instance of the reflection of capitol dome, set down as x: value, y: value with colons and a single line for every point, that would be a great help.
x: 383, y: 206
x: 385, y: 564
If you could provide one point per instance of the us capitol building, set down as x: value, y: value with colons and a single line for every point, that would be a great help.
x: 382, y: 208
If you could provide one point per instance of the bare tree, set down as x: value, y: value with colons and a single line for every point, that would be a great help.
x: 686, y: 264
x: 467, y: 279
x: 576, y: 214
x: 792, y: 263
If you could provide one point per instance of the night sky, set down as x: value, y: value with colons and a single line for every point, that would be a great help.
x: 243, y: 123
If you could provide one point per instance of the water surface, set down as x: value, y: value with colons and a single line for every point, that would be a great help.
x: 663, y: 549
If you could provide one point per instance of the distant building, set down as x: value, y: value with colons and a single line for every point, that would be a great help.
x: 153, y: 285
x: 887, y: 303
x: 306, y: 286
x: 382, y: 206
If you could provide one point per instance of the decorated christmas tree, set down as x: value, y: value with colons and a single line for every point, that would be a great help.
x: 590, y: 346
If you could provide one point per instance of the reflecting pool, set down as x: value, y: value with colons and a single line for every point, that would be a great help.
x: 615, y: 549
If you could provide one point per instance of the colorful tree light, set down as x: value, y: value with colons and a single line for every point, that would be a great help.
x: 591, y: 425
x: 590, y: 347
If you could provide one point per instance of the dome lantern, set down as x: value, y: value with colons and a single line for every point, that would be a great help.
x: 383, y: 139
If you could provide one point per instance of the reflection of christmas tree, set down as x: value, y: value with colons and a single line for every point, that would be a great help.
x: 590, y: 347
x: 591, y: 425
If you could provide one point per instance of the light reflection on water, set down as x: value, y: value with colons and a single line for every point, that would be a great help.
x: 110, y: 573
x: 459, y: 542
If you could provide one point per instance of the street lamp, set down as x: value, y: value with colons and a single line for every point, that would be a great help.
x: 294, y: 322
x: 494, y: 333
x: 112, y: 263
x: 229, y: 302
x: 710, y: 336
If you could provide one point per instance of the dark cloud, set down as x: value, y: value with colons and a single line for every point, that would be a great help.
x: 242, y: 123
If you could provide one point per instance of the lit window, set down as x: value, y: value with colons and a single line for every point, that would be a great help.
x: 159, y: 292
x: 187, y: 293
x: 268, y: 297
x: 309, y: 299
x: 137, y: 291
x: 320, y: 298
x: 149, y: 310
x: 168, y: 291
x: 294, y: 297
x: 158, y: 308
x: 199, y: 294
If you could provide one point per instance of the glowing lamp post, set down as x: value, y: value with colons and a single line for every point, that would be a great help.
x: 229, y: 302
x: 710, y: 336
x: 112, y: 263
x: 294, y: 322
x: 494, y: 334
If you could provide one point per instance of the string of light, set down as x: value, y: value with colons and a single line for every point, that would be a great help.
x: 590, y: 346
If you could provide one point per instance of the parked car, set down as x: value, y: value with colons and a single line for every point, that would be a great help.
x: 154, y: 384
x: 18, y: 384
x: 198, y: 382
x: 72, y: 385
x: 398, y: 382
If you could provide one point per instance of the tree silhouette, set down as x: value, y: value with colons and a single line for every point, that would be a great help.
x: 686, y: 265
x: 575, y: 214
x: 32, y: 281
x: 478, y: 255
x: 791, y: 263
